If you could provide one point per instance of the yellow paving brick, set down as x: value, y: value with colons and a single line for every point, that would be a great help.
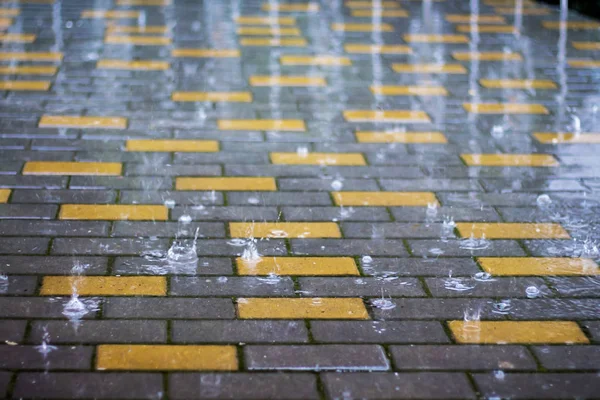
x: 518, y: 84
x: 370, y: 4
x: 310, y: 308
x: 232, y: 97
x: 306, y: 230
x: 510, y: 160
x: 558, y: 138
x: 477, y: 19
x: 71, y: 168
x: 379, y: 12
x: 148, y: 29
x: 315, y: 60
x: 505, y: 108
x: 300, y: 266
x: 4, y: 195
x: 268, y: 31
x: 386, y: 116
x: 145, y: 357
x: 298, y: 81
x: 293, y: 125
x: 260, y: 20
x: 318, y: 159
x: 359, y: 48
x: 227, y: 184
x: 114, y: 212
x: 362, y: 27
x: 31, y: 56
x: 424, y: 38
x: 584, y: 63
x: 537, y: 266
x: 276, y: 41
x: 143, y: 2
x: 486, y: 56
x: 524, y: 11
x: 385, y: 199
x: 67, y: 121
x: 9, y: 12
x: 5, y: 22
x: 409, y: 90
x: 429, y: 68
x: 104, y: 285
x: 138, y: 65
x: 206, y: 53
x: 401, y: 137
x: 512, y: 230
x: 167, y: 145
x: 28, y: 70
x: 138, y: 40
x: 586, y: 45
x: 109, y: 14
x: 575, y: 25
x: 299, y: 7
x: 17, y: 37
x: 487, y: 29
x: 501, y: 332
x: 39, y: 86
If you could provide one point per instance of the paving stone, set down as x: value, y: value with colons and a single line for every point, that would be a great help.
x: 239, y: 331
x: 35, y: 307
x: 99, y: 331
x: 55, y: 265
x: 392, y: 267
x: 438, y: 185
x: 61, y: 357
x: 350, y: 287
x: 33, y: 182
x: 26, y: 211
x: 548, y: 386
x: 279, y: 198
x: 254, y: 385
x: 19, y: 285
x: 12, y: 330
x: 413, y: 214
x: 345, y: 247
x: 392, y: 230
x: 229, y: 286
x: 53, y: 228
x: 101, y: 246
x: 463, y: 357
x: 493, y: 287
x: 80, y: 385
x: 166, y: 229
x: 307, y: 184
x: 118, y: 182
x: 321, y: 357
x: 169, y: 308
x: 158, y: 264
x: 568, y: 357
x: 5, y: 378
x: 335, y: 214
x: 63, y: 196
x: 427, y: 308
x: 425, y: 385
x: 378, y: 332
x: 237, y: 213
x: 452, y: 248
x: 17, y: 245
x: 593, y: 327
x: 160, y: 197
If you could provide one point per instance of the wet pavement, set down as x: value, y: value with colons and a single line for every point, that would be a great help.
x: 295, y: 200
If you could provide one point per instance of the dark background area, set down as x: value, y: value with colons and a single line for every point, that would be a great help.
x: 590, y: 8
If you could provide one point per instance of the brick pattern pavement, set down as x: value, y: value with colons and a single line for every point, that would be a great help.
x: 420, y: 178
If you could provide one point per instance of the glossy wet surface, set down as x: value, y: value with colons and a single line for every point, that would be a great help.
x: 338, y: 199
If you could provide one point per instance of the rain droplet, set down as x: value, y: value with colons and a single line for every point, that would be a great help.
x: 337, y: 185
x: 543, y: 200
x: 532, y: 292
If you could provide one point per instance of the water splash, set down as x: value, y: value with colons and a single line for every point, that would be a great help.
x: 382, y: 303
x: 472, y: 243
x: 502, y: 307
x: 457, y: 285
x: 532, y: 292
x: 250, y: 253
x: 447, y: 230
x: 45, y: 348
x: 543, y: 201
x: 3, y: 283
x: 483, y: 277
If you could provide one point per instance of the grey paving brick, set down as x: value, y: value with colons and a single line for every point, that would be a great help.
x: 442, y: 309
x: 493, y: 287
x: 239, y: 331
x: 53, y: 228
x: 229, y: 286
x: 19, y: 285
x: 227, y: 213
x: 29, y: 155
x: 549, y: 309
x: 172, y: 170
x: 181, y: 198
x: 378, y: 332
x: 476, y: 199
x: 33, y: 182
x: 119, y: 182
x: 12, y: 331
x: 392, y: 230
x: 215, y: 247
x: 562, y: 185
x: 5, y: 378
x: 316, y: 357
x: 256, y: 385
x: 461, y: 357
x: 158, y: 264
x: 221, y: 158
x: 568, y: 357
x: 54, y: 265
x: 27, y: 211
x: 35, y: 307
x: 452, y: 248
x: 576, y: 286
x: 63, y: 196
x: 539, y: 386
x: 438, y: 185
x: 166, y: 229
x: 346, y: 247
x: 60, y: 357
x: 19, y: 245
x: 424, y: 385
x: 593, y: 328
x: 351, y: 287
x: 391, y: 267
x: 101, y: 246
x: 328, y: 184
x: 419, y: 214
x: 100, y: 331
x: 335, y: 214
x: 82, y: 385
x: 123, y: 156
x: 169, y: 308
x: 279, y: 198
